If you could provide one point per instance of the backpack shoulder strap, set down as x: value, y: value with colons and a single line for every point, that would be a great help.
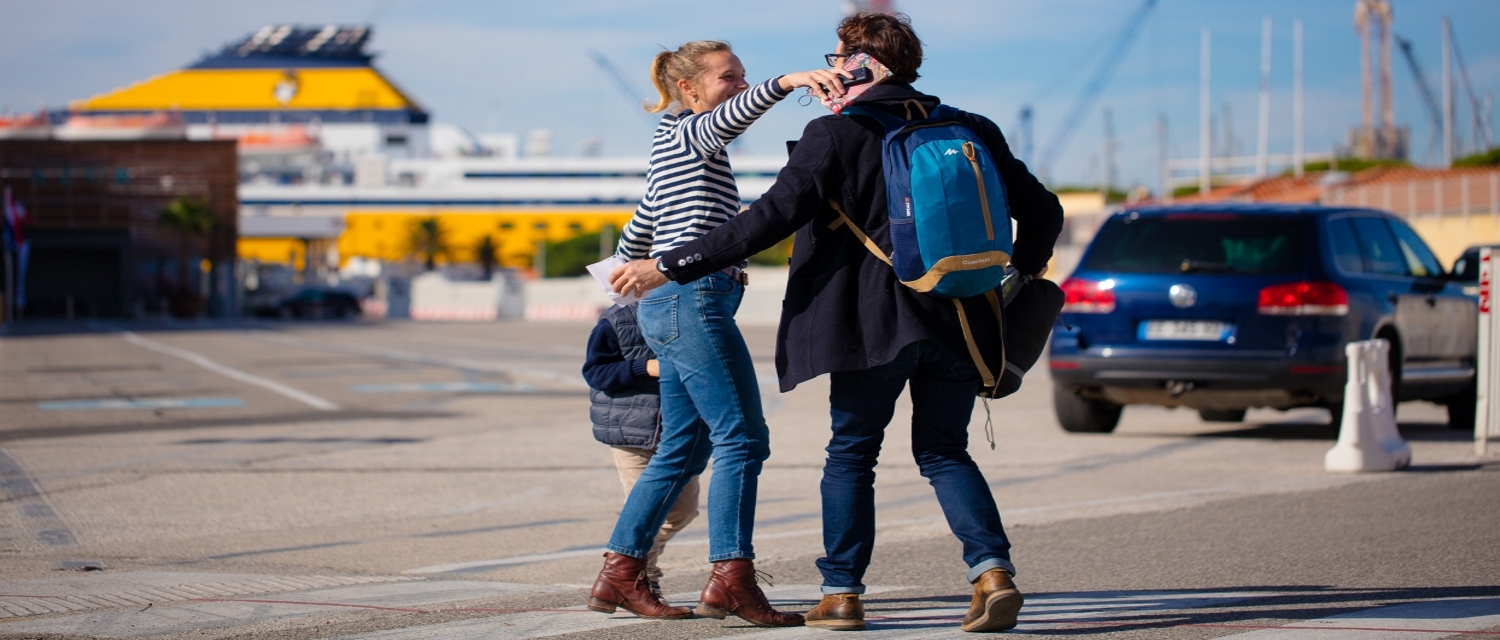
x: 988, y: 378
x: 843, y: 220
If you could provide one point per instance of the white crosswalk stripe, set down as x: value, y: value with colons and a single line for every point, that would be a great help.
x: 1426, y: 620
x: 523, y: 626
x: 1042, y: 613
x: 187, y: 602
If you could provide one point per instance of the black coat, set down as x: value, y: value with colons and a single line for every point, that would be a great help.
x: 844, y: 309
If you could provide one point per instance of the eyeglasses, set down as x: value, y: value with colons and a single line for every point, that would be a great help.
x: 833, y: 58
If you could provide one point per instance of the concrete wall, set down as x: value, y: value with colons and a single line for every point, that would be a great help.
x: 581, y: 299
x: 434, y: 297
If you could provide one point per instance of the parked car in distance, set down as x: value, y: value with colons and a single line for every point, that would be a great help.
x: 1466, y: 268
x: 1225, y: 307
x: 311, y: 302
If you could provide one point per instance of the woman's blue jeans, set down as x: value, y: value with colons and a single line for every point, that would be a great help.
x: 710, y: 406
x: 862, y: 403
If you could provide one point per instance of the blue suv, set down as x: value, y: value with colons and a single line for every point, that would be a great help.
x: 1224, y: 307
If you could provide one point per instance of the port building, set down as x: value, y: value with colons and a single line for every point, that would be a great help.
x: 337, y: 161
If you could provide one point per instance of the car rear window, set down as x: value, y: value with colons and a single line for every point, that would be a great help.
x: 1198, y: 243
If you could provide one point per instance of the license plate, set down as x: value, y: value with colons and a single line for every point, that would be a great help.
x: 1198, y: 330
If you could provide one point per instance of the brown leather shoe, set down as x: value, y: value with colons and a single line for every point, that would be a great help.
x: 731, y: 589
x: 996, y: 603
x: 622, y: 583
x: 838, y: 612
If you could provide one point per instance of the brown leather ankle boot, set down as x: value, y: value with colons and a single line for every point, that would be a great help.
x: 839, y: 612
x: 623, y: 583
x: 996, y: 603
x: 731, y: 589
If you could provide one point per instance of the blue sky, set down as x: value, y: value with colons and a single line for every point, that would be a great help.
x: 518, y: 66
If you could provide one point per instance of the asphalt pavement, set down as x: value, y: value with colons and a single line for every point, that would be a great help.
x: 439, y: 480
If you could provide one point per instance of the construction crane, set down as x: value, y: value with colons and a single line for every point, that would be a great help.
x: 1023, y: 122
x: 622, y: 84
x: 1434, y: 112
x: 1093, y: 88
x: 1482, y: 134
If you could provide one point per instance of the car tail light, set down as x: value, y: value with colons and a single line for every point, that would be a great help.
x: 1304, y: 299
x: 1088, y: 296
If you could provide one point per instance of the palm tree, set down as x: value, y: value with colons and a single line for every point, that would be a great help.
x: 484, y: 252
x: 191, y: 218
x: 427, y: 238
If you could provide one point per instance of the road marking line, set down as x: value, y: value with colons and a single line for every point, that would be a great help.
x: 300, y: 396
x: 525, y: 625
x: 1412, y: 621
x: 571, y: 379
x: 140, y: 403
x: 470, y: 387
x: 22, y: 490
x: 1047, y: 612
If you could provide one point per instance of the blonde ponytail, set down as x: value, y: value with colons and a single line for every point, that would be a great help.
x: 666, y: 92
x: 670, y: 66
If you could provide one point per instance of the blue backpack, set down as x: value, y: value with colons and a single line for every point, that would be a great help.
x: 949, y: 218
x: 949, y: 221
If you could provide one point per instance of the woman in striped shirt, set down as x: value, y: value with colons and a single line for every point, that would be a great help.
x: 709, y: 394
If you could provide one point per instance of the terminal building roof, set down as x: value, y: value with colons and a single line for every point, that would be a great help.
x: 279, y: 74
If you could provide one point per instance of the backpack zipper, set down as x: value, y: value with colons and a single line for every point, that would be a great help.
x: 984, y: 201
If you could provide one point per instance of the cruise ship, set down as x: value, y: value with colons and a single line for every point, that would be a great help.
x: 337, y: 161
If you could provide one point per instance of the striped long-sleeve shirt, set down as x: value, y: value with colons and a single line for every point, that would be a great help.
x: 690, y: 187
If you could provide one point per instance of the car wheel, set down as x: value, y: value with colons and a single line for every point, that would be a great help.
x: 1081, y: 415
x: 1221, y: 415
x: 1461, y: 410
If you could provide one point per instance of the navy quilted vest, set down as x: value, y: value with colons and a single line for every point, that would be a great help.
x: 630, y: 418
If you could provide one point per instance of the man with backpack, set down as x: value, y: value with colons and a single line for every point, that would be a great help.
x: 854, y: 311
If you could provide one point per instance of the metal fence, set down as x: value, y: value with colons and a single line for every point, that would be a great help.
x: 1444, y: 193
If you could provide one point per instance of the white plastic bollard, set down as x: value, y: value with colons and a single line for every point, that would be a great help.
x: 1368, y: 439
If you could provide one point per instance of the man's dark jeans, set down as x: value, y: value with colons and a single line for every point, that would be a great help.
x: 943, y: 388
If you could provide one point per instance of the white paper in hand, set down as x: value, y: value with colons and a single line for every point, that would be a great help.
x: 601, y: 270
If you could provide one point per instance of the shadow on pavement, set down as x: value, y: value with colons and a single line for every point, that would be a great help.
x: 1414, y: 431
x: 1253, y: 607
